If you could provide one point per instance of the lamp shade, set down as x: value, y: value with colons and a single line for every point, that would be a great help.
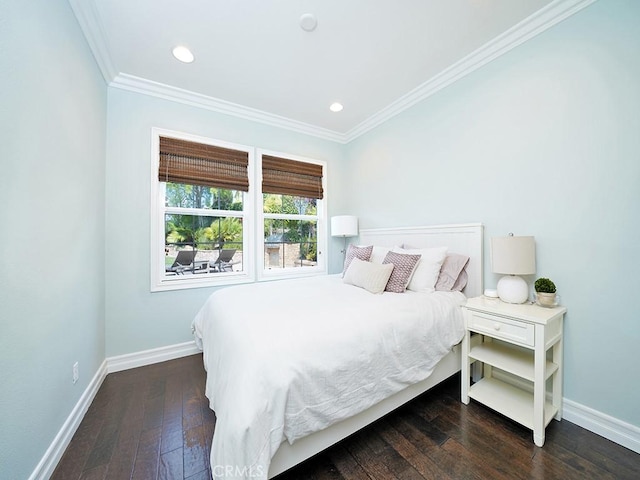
x: 513, y: 255
x: 344, y: 226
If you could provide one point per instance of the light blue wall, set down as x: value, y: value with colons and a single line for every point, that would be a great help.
x: 137, y: 319
x: 52, y: 153
x: 543, y: 141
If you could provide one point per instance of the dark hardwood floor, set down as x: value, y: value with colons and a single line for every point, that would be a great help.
x: 154, y: 423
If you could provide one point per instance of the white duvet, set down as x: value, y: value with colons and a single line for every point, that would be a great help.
x: 285, y: 359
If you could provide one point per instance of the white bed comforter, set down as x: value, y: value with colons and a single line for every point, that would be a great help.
x: 288, y: 358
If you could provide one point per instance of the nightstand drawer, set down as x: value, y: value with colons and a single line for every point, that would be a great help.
x: 502, y: 328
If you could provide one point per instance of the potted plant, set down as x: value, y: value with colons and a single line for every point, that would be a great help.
x: 545, y: 292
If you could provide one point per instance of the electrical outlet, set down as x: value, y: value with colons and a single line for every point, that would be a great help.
x: 76, y: 373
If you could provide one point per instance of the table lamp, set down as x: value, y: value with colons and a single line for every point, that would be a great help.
x: 513, y: 256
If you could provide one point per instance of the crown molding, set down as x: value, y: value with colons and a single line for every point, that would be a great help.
x: 148, y: 87
x: 89, y: 20
x: 533, y: 25
x: 528, y: 28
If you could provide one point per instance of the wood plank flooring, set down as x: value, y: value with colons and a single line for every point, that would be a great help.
x: 154, y: 423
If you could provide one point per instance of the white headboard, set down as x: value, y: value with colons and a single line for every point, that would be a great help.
x: 462, y: 238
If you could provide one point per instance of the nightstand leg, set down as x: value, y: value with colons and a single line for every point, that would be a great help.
x: 557, y: 378
x: 464, y: 370
x: 539, y: 386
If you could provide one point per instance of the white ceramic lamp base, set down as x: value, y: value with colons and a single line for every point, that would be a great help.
x: 513, y: 289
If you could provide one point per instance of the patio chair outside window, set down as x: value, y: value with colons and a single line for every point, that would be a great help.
x: 224, y: 262
x: 184, y: 261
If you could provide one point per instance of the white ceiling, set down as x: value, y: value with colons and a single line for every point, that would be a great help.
x: 376, y: 57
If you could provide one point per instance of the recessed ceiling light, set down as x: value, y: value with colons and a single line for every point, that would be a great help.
x: 308, y: 22
x: 336, y: 107
x: 183, y: 54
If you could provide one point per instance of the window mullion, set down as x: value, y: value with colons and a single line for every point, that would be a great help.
x: 203, y: 212
x: 290, y: 216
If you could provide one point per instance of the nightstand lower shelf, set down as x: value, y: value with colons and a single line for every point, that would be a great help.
x: 511, y: 401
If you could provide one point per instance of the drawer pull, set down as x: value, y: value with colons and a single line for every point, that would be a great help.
x: 496, y: 326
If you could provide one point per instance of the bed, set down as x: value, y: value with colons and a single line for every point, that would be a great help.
x: 289, y: 373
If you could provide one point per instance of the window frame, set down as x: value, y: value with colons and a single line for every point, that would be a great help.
x: 160, y: 281
x: 252, y: 216
x: 264, y: 274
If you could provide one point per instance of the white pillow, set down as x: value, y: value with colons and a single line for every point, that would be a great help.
x: 425, y: 275
x: 378, y: 254
x: 370, y: 276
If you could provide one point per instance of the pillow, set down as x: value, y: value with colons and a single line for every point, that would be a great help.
x: 426, y: 274
x: 378, y: 254
x: 363, y: 253
x: 451, y: 269
x: 461, y: 282
x: 370, y: 276
x: 403, y: 267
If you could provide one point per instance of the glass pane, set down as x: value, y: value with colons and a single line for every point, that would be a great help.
x: 197, y: 196
x: 290, y: 243
x: 276, y: 203
x: 217, y: 242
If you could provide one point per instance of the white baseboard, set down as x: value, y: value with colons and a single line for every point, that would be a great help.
x: 54, y: 453
x: 148, y: 357
x: 611, y: 428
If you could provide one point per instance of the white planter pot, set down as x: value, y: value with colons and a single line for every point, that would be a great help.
x: 546, y: 299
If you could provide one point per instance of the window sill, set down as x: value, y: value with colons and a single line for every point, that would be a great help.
x: 183, y: 282
x: 180, y: 282
x: 290, y: 273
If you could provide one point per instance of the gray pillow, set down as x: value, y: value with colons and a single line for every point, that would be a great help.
x: 450, y: 273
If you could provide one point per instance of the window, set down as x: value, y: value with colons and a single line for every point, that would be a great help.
x: 209, y: 197
x: 201, y: 212
x: 292, y: 215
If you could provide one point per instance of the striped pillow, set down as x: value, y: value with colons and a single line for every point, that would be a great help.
x: 370, y: 276
x: 403, y: 267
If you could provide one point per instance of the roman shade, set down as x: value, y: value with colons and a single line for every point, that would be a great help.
x: 182, y: 161
x: 291, y: 177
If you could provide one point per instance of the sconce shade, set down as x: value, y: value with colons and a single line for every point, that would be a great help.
x: 513, y: 255
x: 344, y: 226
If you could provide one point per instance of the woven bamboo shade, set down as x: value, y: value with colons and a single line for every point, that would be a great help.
x: 291, y: 177
x: 182, y: 161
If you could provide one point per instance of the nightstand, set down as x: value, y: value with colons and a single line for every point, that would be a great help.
x: 513, y: 350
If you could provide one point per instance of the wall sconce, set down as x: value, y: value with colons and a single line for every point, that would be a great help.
x: 344, y: 226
